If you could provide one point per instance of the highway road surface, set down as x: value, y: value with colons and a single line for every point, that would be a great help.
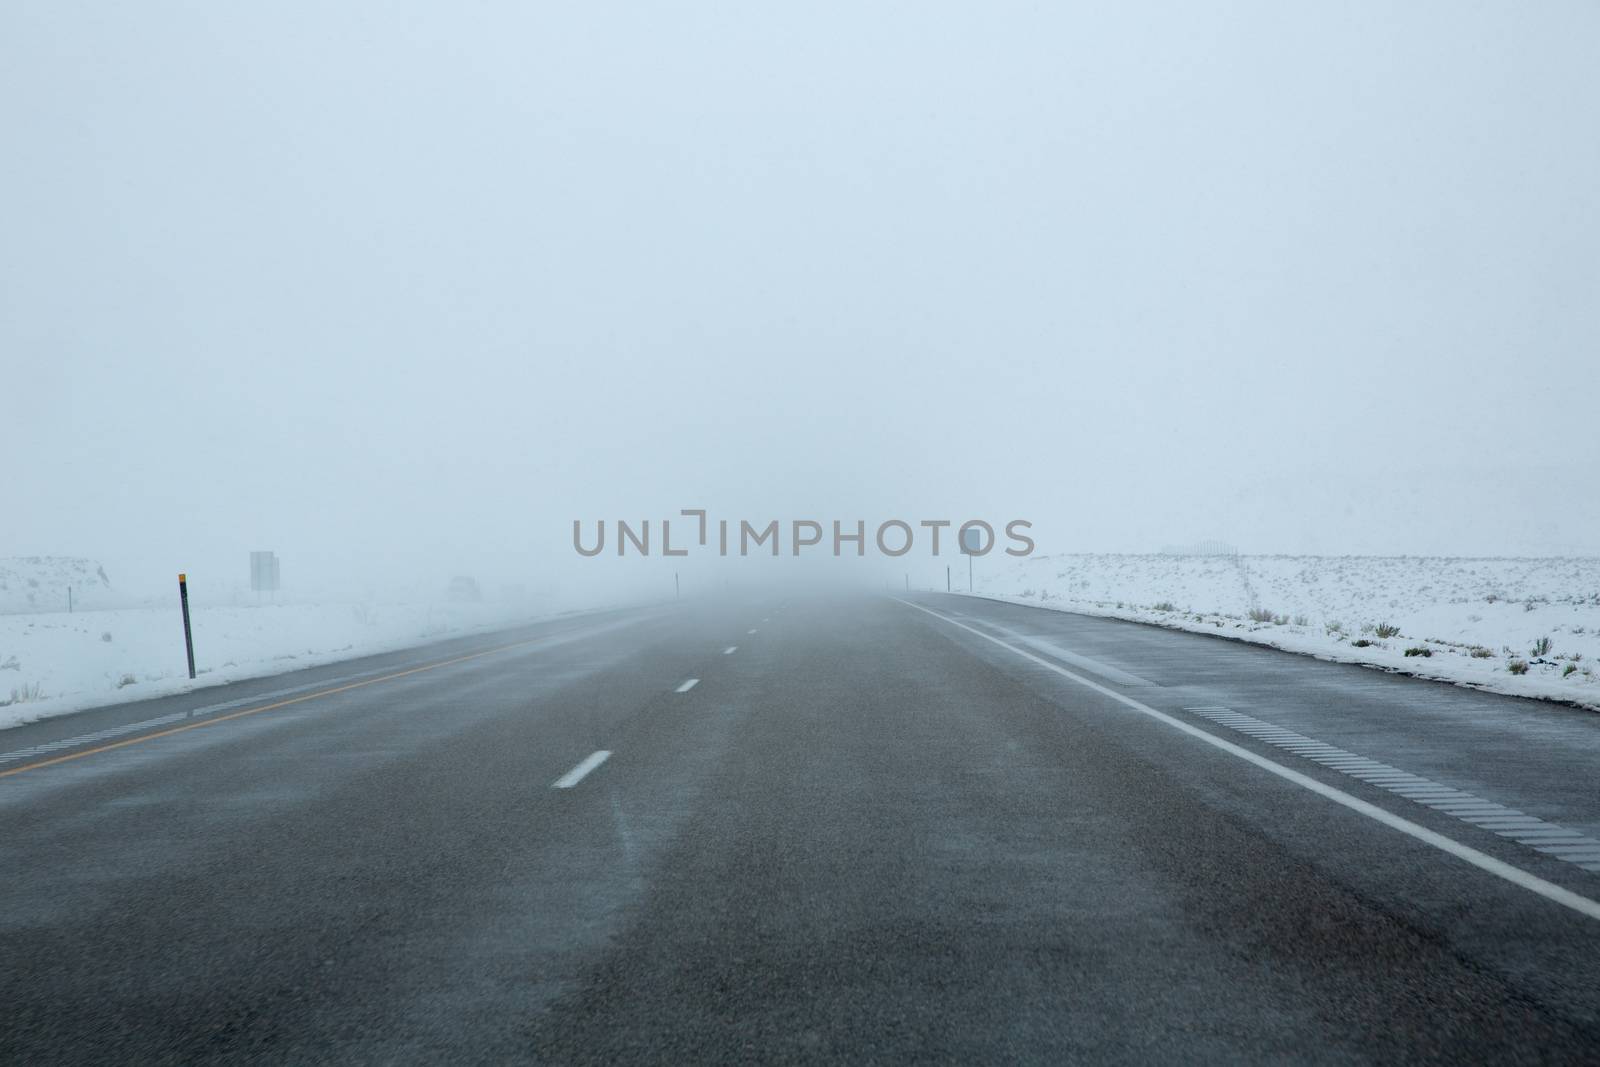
x: 870, y: 829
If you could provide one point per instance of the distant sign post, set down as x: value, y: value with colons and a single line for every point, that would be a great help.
x: 971, y: 543
x: 264, y: 576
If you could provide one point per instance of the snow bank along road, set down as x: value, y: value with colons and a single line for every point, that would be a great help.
x: 934, y: 828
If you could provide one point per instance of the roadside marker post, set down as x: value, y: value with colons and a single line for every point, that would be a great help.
x: 188, y: 635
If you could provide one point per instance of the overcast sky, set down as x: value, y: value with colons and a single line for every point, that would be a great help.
x: 396, y: 286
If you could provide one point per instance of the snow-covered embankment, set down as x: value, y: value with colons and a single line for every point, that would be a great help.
x: 1527, y: 627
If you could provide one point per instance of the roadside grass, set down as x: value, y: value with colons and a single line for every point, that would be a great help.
x: 24, y: 695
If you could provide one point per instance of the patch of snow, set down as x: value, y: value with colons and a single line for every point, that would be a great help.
x: 40, y: 583
x: 1469, y: 621
x: 52, y: 663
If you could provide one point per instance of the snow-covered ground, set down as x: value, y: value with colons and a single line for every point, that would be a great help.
x: 128, y: 648
x: 41, y: 583
x: 1475, y: 622
x: 55, y: 663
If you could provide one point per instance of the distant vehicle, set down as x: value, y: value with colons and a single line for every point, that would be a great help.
x: 464, y: 588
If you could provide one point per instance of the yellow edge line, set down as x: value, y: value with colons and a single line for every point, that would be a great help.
x: 52, y: 761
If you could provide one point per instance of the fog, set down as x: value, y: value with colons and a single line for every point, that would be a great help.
x: 401, y: 291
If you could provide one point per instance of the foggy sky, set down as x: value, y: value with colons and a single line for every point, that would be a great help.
x: 402, y: 288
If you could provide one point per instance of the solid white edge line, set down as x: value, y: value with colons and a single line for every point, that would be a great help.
x: 686, y: 686
x: 1481, y: 860
x: 578, y: 773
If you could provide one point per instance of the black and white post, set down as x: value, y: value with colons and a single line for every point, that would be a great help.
x: 188, y: 635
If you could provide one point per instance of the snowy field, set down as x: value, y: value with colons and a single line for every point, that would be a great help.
x: 1527, y: 627
x: 53, y: 662
x: 40, y: 583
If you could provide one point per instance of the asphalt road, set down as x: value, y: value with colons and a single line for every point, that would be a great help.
x: 873, y: 830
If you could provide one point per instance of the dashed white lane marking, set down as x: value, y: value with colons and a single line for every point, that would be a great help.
x: 1449, y: 845
x: 686, y: 686
x: 1498, y: 819
x: 578, y: 773
x: 749, y: 631
x: 730, y: 650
